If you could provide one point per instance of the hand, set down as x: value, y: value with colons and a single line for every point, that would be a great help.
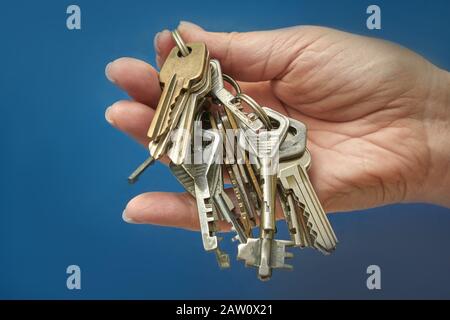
x: 378, y: 115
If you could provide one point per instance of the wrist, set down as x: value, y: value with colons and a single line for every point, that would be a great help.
x: 436, y: 187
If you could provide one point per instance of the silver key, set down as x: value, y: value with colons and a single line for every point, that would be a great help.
x: 235, y: 172
x: 294, y: 177
x: 199, y: 173
x: 188, y: 183
x: 220, y: 198
x: 224, y: 206
x: 266, y: 252
x: 293, y: 146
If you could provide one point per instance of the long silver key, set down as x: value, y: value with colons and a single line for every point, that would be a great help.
x: 293, y: 146
x: 293, y: 176
x: 266, y: 252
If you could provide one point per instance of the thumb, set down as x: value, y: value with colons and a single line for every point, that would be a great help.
x: 249, y: 56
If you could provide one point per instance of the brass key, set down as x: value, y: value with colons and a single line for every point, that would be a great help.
x: 177, y: 75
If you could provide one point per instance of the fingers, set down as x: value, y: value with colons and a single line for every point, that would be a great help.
x: 131, y: 117
x: 137, y: 78
x: 166, y: 209
x: 250, y: 56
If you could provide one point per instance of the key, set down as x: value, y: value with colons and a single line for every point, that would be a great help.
x: 246, y: 170
x: 188, y: 183
x: 159, y: 147
x: 293, y: 214
x: 198, y: 173
x: 228, y: 100
x: 177, y: 76
x: 183, y: 135
x: 266, y: 253
x: 224, y: 206
x: 237, y: 182
x: 139, y: 170
x: 221, y: 200
x: 294, y: 177
x: 222, y: 203
x: 293, y: 146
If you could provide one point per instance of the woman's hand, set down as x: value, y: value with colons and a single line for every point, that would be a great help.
x: 378, y: 115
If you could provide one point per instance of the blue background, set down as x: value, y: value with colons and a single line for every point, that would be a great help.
x: 63, y: 168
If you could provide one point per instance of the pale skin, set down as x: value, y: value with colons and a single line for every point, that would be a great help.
x: 378, y: 115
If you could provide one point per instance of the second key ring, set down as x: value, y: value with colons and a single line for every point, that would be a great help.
x: 259, y: 111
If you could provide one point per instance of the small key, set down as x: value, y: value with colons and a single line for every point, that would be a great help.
x: 293, y: 176
x: 266, y: 252
x: 177, y: 76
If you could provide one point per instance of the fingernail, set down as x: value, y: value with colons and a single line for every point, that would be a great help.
x: 107, y: 72
x: 108, y: 115
x: 126, y: 219
x: 155, y: 42
x: 187, y: 24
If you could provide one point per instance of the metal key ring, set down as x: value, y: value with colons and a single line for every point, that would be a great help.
x: 184, y: 50
x: 259, y: 111
x: 232, y: 82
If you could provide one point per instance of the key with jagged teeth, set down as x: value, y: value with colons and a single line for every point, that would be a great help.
x: 295, y: 181
x: 198, y: 172
x: 266, y: 253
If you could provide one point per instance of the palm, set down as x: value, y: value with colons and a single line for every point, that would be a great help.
x: 363, y: 128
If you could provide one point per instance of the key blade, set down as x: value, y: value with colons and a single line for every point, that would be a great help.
x: 139, y: 170
x: 167, y: 95
x: 293, y: 176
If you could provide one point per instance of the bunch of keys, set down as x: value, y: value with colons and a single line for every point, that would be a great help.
x: 201, y: 126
